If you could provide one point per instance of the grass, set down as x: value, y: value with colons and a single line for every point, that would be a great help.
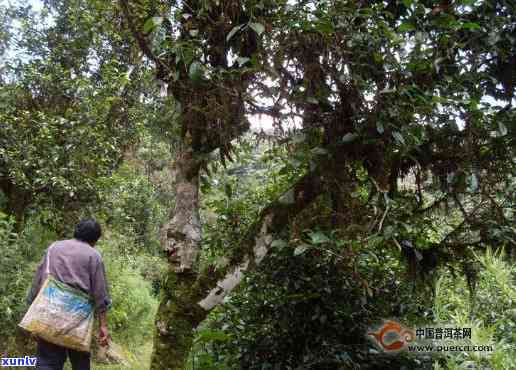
x: 140, y: 360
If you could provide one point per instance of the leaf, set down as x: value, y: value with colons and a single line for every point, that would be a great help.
x: 233, y: 32
x: 324, y: 27
x: 195, y: 71
x: 299, y: 138
x: 288, y: 197
x: 242, y: 60
x: 312, y: 100
x: 194, y: 33
x: 257, y: 27
x: 318, y: 237
x: 502, y: 130
x: 405, y: 27
x: 278, y: 243
x: 388, y: 231
x: 473, y: 183
x: 493, y: 38
x: 152, y: 23
x: 471, y: 26
x: 300, y: 249
x: 296, y: 163
x: 387, y: 91
x: 210, y: 335
x: 380, y: 128
x: 319, y: 151
x: 228, y: 190
x: 205, y: 182
x: 398, y: 137
x: 407, y: 3
x: 349, y: 137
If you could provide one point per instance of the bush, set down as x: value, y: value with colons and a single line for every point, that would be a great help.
x: 304, y: 308
x: 13, y: 282
x: 132, y: 204
x: 21, y: 254
x: 134, y: 305
x: 491, y: 313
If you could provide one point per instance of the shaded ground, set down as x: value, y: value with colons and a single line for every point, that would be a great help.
x: 139, y: 359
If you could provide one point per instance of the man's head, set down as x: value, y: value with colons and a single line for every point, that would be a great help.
x: 88, y: 230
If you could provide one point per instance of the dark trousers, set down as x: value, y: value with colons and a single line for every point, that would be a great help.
x: 53, y: 357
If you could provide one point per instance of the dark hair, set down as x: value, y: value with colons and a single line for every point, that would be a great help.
x: 88, y: 230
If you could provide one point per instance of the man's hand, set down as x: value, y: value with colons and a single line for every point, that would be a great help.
x: 103, y: 336
x: 103, y: 330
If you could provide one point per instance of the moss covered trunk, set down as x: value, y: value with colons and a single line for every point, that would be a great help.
x: 187, y: 295
x: 177, y: 318
x: 180, y: 238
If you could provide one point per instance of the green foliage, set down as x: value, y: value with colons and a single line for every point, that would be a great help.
x: 66, y: 115
x: 134, y: 305
x: 21, y: 253
x: 14, y: 278
x: 234, y: 195
x: 129, y: 200
x: 137, y: 197
x: 490, y: 312
x: 311, y: 307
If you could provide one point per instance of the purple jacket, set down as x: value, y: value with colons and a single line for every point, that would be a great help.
x: 77, y: 264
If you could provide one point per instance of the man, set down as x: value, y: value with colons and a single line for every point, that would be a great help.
x: 77, y: 263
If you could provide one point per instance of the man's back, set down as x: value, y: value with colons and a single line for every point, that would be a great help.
x: 77, y: 263
x: 73, y: 262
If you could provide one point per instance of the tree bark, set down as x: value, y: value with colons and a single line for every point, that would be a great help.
x: 180, y: 238
x: 188, y: 296
x: 17, y: 201
x: 176, y: 320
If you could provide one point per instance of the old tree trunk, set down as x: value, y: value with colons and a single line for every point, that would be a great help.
x: 375, y: 118
x: 188, y: 295
x: 212, y: 115
x: 181, y: 239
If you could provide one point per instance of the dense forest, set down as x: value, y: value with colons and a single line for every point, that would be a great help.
x: 274, y: 178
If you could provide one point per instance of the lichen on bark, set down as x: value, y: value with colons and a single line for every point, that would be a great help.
x: 181, y: 236
x: 188, y: 296
x: 178, y: 315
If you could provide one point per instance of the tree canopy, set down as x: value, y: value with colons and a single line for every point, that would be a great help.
x: 70, y: 104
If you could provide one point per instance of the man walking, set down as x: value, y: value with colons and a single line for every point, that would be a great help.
x: 77, y: 263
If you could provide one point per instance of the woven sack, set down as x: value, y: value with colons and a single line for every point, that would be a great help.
x: 61, y: 314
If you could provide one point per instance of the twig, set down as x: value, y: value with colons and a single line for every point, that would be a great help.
x: 140, y: 38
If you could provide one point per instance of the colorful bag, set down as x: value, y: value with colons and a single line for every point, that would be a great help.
x: 61, y: 314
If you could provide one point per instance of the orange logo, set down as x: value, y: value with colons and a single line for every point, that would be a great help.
x: 392, y: 336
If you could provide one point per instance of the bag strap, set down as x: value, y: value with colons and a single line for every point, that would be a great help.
x: 47, y: 270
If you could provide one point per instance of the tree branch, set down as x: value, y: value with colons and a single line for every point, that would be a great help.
x: 256, y: 243
x: 140, y: 37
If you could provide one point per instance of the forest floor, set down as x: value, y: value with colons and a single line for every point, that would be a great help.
x: 139, y: 360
